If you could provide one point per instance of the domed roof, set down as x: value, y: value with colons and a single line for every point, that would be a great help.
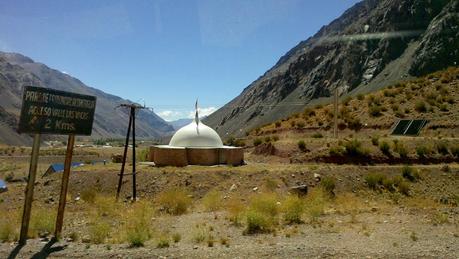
x: 196, y: 134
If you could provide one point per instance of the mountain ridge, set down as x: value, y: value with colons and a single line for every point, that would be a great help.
x: 350, y: 54
x: 17, y: 70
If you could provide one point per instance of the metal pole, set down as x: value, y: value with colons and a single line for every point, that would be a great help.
x: 134, y: 191
x: 335, y: 119
x: 64, y: 186
x: 120, y: 182
x: 29, y: 190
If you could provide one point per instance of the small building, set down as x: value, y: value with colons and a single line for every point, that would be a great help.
x: 57, y: 168
x: 196, y: 144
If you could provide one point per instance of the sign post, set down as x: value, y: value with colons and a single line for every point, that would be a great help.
x: 29, y: 189
x: 49, y: 111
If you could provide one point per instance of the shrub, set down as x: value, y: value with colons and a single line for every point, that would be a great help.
x: 328, y: 184
x: 385, y: 148
x: 176, y: 237
x: 99, y: 231
x: 409, y: 174
x: 374, y: 111
x: 423, y: 151
x: 337, y: 151
x: 309, y: 112
x: 354, y: 124
x: 235, y: 210
x: 200, y: 234
x: 163, y: 242
x: 360, y: 97
x: 354, y: 148
x: 267, y: 139
x: 174, y: 201
x: 42, y: 222
x: 293, y: 208
x: 292, y: 123
x: 138, y: 223
x: 265, y: 203
x: 257, y: 222
x: 212, y: 200
x: 442, y: 148
x: 143, y: 155
x: 404, y: 188
x: 388, y: 184
x: 400, y: 149
x: 300, y: 124
x: 374, y: 179
x: 455, y: 151
x: 257, y: 141
x: 8, y: 229
x: 89, y: 195
x: 420, y: 106
x: 315, y: 204
x: 275, y: 138
x: 375, y: 140
x: 317, y: 135
x: 302, y: 145
x: 278, y: 124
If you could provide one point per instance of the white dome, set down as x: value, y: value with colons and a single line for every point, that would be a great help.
x: 196, y: 135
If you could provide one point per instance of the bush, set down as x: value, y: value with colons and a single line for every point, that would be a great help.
x: 176, y: 237
x: 278, y: 124
x: 374, y: 111
x: 257, y: 222
x: 275, y: 138
x: 423, y: 151
x: 400, y: 149
x: 212, y: 200
x: 265, y: 203
x: 300, y: 124
x: 267, y: 139
x: 89, y: 195
x: 420, y: 106
x: 360, y: 97
x: 375, y: 140
x: 409, y: 174
x: 174, y: 201
x: 328, y: 184
x: 99, y: 231
x: 388, y: 184
x: 235, y: 210
x: 302, y: 145
x: 315, y: 204
x: 138, y: 223
x: 404, y: 188
x: 354, y: 148
x: 42, y: 222
x: 337, y: 151
x: 163, y: 242
x: 442, y: 148
x: 385, y: 148
x: 143, y: 155
x: 374, y: 179
x: 200, y: 234
x: 8, y: 230
x: 455, y: 151
x: 309, y: 112
x: 317, y: 135
x: 293, y: 208
x: 257, y: 141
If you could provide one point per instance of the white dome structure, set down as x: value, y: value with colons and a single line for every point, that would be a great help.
x: 196, y: 144
x: 196, y: 135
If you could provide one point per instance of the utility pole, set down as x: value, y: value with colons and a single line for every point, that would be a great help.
x: 133, y: 108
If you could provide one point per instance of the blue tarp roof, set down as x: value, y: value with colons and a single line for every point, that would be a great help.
x: 60, y: 167
x: 2, y: 184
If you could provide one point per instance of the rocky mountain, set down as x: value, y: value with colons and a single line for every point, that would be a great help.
x: 373, y: 44
x: 17, y: 71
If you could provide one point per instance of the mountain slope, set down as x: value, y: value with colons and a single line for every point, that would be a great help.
x: 373, y: 44
x: 17, y: 70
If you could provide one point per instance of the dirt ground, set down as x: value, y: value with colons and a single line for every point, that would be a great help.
x: 424, y: 224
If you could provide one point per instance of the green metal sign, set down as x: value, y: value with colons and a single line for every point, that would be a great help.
x: 50, y: 111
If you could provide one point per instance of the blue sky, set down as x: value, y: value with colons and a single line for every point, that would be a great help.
x: 165, y: 53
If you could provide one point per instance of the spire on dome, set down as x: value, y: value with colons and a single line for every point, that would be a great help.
x: 196, y: 116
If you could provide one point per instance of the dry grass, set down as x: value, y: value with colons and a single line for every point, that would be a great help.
x: 138, y: 223
x: 212, y: 201
x: 174, y: 201
x: 293, y: 209
x: 42, y: 222
x: 315, y: 204
x: 235, y: 209
x: 9, y: 223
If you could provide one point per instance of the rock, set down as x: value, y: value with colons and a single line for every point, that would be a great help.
x: 255, y: 189
x: 299, y: 190
x: 86, y: 239
x: 195, y: 247
x: 317, y: 177
x: 77, y: 198
x: 233, y: 187
x: 187, y: 182
x: 374, y: 209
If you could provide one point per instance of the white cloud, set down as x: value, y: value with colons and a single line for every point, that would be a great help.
x: 171, y: 115
x: 203, y: 112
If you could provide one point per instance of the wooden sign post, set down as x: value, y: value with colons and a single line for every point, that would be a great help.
x: 48, y: 111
